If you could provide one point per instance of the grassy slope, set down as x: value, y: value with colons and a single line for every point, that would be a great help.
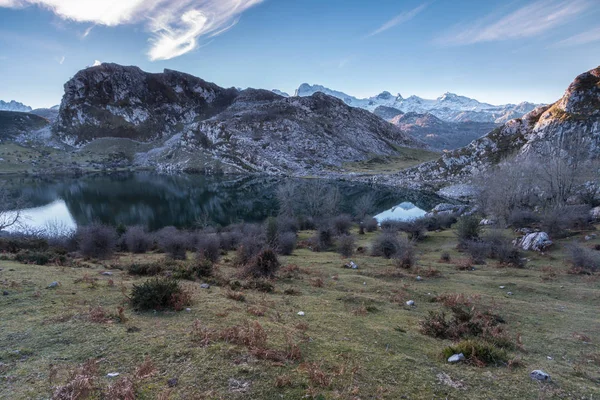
x: 378, y: 360
x: 407, y: 158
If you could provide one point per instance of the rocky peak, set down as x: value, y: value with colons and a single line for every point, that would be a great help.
x: 583, y: 95
x: 13, y: 106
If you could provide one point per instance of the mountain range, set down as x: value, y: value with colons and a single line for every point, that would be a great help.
x: 449, y: 107
x: 13, y: 106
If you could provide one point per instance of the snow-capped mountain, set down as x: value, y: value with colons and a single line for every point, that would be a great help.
x: 448, y: 107
x: 14, y: 106
x: 279, y: 92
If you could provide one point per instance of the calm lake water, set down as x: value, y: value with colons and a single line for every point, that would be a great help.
x: 156, y: 201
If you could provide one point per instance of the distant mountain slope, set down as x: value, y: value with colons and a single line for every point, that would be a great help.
x: 576, y: 113
x: 387, y: 113
x: 51, y: 114
x: 193, y: 124
x: 14, y: 106
x: 14, y: 123
x: 440, y: 134
x: 448, y: 107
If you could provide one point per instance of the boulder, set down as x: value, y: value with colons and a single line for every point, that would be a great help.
x: 539, y: 375
x: 457, y: 358
x: 447, y: 209
x: 537, y: 241
x: 595, y: 213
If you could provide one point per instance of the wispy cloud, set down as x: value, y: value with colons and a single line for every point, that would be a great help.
x: 530, y: 20
x: 590, y: 36
x: 176, y: 26
x: 96, y: 63
x: 399, y: 19
x: 62, y: 60
x: 88, y: 30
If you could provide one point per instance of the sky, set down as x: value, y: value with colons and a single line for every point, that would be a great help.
x: 497, y: 51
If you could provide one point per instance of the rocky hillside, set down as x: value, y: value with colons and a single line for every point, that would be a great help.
x: 13, y: 124
x: 440, y: 134
x: 449, y: 107
x: 196, y: 125
x: 111, y: 100
x: 576, y: 113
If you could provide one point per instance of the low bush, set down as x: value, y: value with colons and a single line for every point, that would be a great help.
x: 96, y: 241
x: 287, y: 224
x: 159, y: 294
x: 385, y: 245
x: 438, y: 222
x: 502, y: 249
x: 271, y: 231
x: 203, y: 268
x: 557, y: 222
x: 370, y: 225
x: 173, y: 242
x: 40, y: 257
x: 209, y: 247
x: 405, y: 256
x: 341, y: 224
x: 145, y: 269
x: 248, y: 248
x: 286, y: 243
x: 478, y: 352
x: 264, y: 265
x: 468, y: 229
x: 478, y: 250
x: 445, y: 257
x: 522, y: 218
x: 137, y: 240
x: 415, y: 229
x: 346, y: 245
x: 16, y: 243
x: 583, y: 259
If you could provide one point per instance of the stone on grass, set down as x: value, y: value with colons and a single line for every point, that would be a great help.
x: 113, y: 374
x: 53, y: 285
x: 456, y: 358
x: 5, y: 293
x: 539, y: 375
x: 410, y: 303
x: 301, y: 313
x: 419, y: 278
x: 172, y: 382
x: 205, y: 286
x: 536, y: 241
x: 107, y: 273
x: 351, y: 265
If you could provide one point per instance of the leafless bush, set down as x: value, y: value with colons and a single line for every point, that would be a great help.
x: 249, y: 247
x: 264, y: 265
x: 173, y: 242
x: 478, y: 250
x: 96, y: 240
x: 386, y: 245
x: 557, y: 221
x: 341, y: 224
x: 583, y: 259
x: 137, y: 239
x: 286, y: 243
x: 371, y: 224
x: 364, y: 206
x: 522, y: 218
x: 346, y: 245
x: 209, y: 247
x: 405, y: 256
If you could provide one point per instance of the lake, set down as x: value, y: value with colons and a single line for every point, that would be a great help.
x: 156, y: 201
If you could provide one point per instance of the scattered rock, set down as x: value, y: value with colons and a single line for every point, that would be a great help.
x: 301, y: 313
x: 107, y: 273
x: 351, y: 265
x: 445, y: 379
x: 587, y: 238
x: 509, y: 293
x: 550, y: 358
x: 486, y: 221
x: 188, y: 309
x: 239, y: 386
x: 419, y: 278
x: 595, y: 213
x: 113, y: 374
x: 172, y: 382
x: 53, y: 285
x: 539, y: 375
x: 537, y: 241
x: 410, y: 303
x: 456, y: 358
x: 502, y: 287
x: 447, y: 209
x: 205, y: 286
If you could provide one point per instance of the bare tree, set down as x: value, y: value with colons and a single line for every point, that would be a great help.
x: 10, y: 210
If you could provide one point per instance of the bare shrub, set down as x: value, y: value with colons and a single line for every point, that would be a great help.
x: 97, y: 241
x: 522, y: 218
x: 583, y: 259
x: 468, y: 229
x: 286, y: 243
x: 173, y: 242
x: 341, y: 224
x: 405, y: 256
x: 438, y: 222
x: 286, y: 224
x: 478, y: 250
x: 557, y: 221
x: 264, y: 265
x: 346, y: 245
x: 249, y: 247
x: 209, y: 247
x: 371, y: 224
x: 364, y: 206
x: 415, y: 229
x: 137, y: 239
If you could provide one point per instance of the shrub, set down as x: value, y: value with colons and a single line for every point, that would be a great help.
x: 364, y: 205
x: 415, y: 229
x: 445, y: 257
x: 158, y: 294
x: 341, y: 224
x: 371, y: 224
x: 287, y: 224
x: 405, y: 256
x: 137, y: 240
x: 97, y: 241
x: 479, y: 352
x: 522, y: 218
x: 229, y: 240
x: 438, y: 221
x: 15, y: 243
x: 203, y: 267
x: 307, y: 223
x: 173, y: 242
x: 323, y: 238
x: 271, y: 231
x: 468, y: 229
x: 249, y: 247
x: 209, y: 247
x: 287, y: 243
x: 385, y: 245
x: 346, y: 245
x: 557, y: 221
x: 38, y: 257
x: 584, y: 260
x: 478, y: 250
x: 150, y: 269
x: 264, y: 265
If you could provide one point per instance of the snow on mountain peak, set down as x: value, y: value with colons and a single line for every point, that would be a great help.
x: 14, y: 106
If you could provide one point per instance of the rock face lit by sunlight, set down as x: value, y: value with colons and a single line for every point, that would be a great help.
x: 55, y: 214
x: 402, y: 212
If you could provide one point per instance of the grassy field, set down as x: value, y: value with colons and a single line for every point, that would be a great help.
x: 358, y: 339
x: 386, y: 165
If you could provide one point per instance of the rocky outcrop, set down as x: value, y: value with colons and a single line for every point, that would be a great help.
x: 536, y: 241
x: 440, y: 134
x: 111, y: 100
x: 196, y: 125
x: 13, y: 124
x: 576, y: 113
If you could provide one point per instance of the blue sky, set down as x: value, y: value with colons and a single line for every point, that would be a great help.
x: 495, y: 50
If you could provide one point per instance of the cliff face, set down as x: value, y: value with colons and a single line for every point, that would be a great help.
x: 576, y: 113
x: 194, y: 123
x: 116, y: 101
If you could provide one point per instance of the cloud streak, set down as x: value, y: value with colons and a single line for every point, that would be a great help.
x: 175, y: 26
x: 586, y: 37
x: 399, y: 19
x: 531, y: 20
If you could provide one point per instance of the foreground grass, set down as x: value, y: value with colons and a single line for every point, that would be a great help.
x: 358, y: 338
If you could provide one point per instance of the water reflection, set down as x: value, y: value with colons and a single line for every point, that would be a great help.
x: 402, y: 212
x: 157, y: 200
